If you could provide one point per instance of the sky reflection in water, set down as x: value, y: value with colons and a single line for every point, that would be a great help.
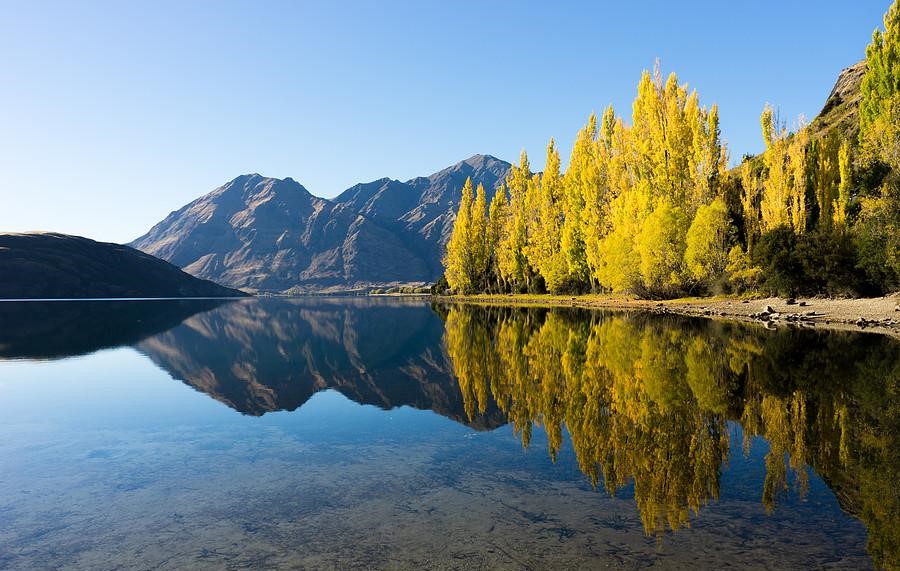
x: 260, y: 455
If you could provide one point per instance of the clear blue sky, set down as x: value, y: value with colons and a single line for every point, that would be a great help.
x: 113, y: 114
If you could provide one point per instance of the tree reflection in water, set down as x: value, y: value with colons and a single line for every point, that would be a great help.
x: 647, y: 399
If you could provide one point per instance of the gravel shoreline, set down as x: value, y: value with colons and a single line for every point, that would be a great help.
x: 881, y: 314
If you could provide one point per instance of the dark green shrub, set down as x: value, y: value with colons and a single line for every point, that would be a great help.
x: 775, y: 255
x: 440, y: 287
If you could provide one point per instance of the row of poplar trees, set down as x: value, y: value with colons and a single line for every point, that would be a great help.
x: 650, y: 207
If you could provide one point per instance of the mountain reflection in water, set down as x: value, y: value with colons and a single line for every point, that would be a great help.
x: 653, y: 401
x: 264, y: 357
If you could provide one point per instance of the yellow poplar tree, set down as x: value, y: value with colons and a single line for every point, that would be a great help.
x: 708, y: 240
x: 496, y: 232
x: 846, y: 180
x: 458, y: 259
x: 776, y: 185
x: 511, y: 258
x: 597, y: 189
x: 750, y: 195
x: 582, y: 191
x: 798, y: 159
x: 657, y: 173
x: 827, y: 178
x: 546, y: 249
x: 478, y: 240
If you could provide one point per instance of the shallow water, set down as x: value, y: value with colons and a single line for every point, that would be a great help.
x: 357, y: 434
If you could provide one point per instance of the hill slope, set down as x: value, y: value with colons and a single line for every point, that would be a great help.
x: 841, y: 109
x: 267, y: 234
x: 48, y: 265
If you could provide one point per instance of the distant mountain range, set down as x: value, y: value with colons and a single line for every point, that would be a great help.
x: 45, y: 265
x: 272, y: 235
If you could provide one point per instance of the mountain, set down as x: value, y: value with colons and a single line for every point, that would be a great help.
x: 266, y: 234
x: 50, y: 265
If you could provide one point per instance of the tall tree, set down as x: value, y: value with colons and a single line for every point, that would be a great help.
x: 776, y: 184
x: 497, y: 227
x: 824, y: 154
x: 798, y: 151
x: 478, y: 241
x: 545, y: 252
x: 582, y: 187
x: 842, y: 201
x: 750, y: 205
x: 882, y: 77
x: 512, y: 260
x: 458, y: 260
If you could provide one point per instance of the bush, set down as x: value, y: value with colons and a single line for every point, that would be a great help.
x: 440, y: 287
x: 828, y: 261
x: 877, y: 240
x: 811, y: 264
x: 661, y: 246
x: 774, y: 254
x: 706, y: 252
x: 741, y: 275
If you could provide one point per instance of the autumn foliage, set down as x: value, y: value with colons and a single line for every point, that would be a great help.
x: 649, y: 206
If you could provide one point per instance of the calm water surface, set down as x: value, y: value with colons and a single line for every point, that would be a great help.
x: 389, y: 434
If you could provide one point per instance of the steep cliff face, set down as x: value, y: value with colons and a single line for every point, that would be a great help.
x: 267, y: 234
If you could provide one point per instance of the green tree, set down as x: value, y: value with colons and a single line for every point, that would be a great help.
x: 882, y: 77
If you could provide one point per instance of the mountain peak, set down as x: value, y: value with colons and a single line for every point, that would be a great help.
x: 240, y: 179
x: 479, y: 162
x: 255, y: 183
x: 481, y: 159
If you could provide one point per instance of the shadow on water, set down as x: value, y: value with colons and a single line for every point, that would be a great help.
x: 44, y: 330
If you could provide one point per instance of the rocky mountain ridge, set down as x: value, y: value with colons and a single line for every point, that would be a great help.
x: 272, y: 235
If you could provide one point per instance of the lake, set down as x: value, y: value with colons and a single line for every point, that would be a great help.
x: 361, y: 433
